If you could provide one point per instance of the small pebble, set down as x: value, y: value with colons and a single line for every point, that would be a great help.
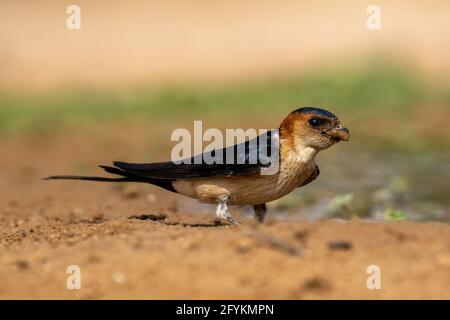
x: 443, y: 260
x: 339, y: 245
x: 22, y: 265
x: 151, y: 198
x: 118, y: 277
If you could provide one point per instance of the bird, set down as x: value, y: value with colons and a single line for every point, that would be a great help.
x: 300, y: 137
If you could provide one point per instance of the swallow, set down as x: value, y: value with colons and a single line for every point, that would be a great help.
x: 301, y: 135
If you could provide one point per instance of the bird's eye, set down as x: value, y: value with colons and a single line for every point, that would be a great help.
x: 314, y: 122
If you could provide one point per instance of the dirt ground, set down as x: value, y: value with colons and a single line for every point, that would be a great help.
x: 141, y: 242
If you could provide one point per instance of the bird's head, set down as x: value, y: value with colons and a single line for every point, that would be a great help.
x: 314, y: 128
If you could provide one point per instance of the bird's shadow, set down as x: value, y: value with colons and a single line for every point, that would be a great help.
x: 196, y: 225
x: 161, y: 218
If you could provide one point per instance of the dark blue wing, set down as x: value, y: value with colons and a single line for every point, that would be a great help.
x: 244, y: 159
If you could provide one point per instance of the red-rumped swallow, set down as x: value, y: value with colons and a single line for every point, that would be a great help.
x: 301, y: 135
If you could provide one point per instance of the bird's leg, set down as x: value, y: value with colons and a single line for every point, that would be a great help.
x: 260, y: 212
x: 223, y: 213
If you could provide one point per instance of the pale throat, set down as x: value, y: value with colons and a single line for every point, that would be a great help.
x: 301, y: 152
x: 305, y: 154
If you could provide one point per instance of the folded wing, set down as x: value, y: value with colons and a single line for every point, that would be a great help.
x: 243, y: 159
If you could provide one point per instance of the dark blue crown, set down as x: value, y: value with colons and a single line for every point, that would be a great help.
x: 316, y: 111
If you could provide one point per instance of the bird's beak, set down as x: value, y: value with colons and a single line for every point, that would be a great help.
x: 339, y: 133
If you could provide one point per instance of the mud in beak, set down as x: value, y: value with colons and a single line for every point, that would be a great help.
x: 340, y: 134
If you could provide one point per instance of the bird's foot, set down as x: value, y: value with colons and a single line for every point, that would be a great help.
x: 260, y: 212
x: 232, y: 221
x: 223, y: 213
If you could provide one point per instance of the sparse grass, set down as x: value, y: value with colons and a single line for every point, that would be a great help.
x: 379, y: 91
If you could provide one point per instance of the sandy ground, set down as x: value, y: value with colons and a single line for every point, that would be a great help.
x: 140, y: 242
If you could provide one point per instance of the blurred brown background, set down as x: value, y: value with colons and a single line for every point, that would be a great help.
x: 154, y: 41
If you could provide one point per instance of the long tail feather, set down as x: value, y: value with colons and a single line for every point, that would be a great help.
x: 126, y: 177
x: 102, y: 179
